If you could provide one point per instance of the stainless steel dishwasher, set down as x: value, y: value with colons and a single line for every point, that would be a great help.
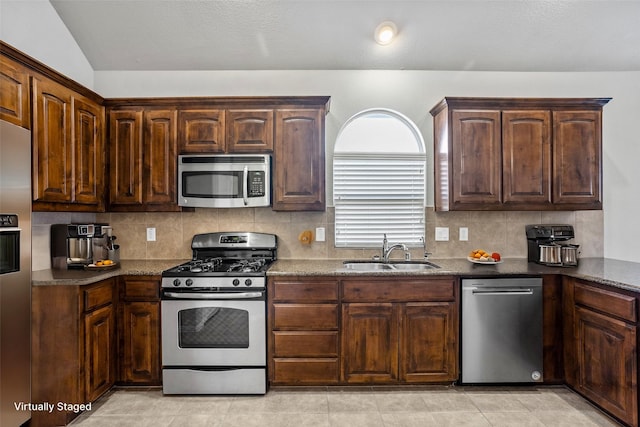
x: 502, y: 330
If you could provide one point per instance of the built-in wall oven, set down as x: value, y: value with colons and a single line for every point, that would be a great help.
x: 214, y: 316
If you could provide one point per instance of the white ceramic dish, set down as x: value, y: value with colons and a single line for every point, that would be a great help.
x: 477, y: 261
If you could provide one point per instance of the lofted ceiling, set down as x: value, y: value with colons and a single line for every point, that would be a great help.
x: 477, y: 35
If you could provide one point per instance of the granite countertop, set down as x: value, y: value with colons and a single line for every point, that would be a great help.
x: 87, y: 277
x: 620, y: 274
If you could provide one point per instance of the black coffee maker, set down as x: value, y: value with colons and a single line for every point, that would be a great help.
x: 546, y: 245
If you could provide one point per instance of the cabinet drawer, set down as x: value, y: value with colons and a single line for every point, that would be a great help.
x: 399, y: 290
x: 98, y: 296
x: 613, y: 303
x: 305, y: 316
x: 305, y: 291
x: 305, y: 371
x: 141, y: 289
x: 305, y: 344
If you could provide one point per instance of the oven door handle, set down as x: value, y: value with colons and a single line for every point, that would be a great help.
x: 245, y: 185
x: 211, y: 295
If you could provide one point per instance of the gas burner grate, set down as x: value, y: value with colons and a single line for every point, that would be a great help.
x: 246, y: 265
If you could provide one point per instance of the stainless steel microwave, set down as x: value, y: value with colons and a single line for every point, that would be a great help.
x: 224, y: 180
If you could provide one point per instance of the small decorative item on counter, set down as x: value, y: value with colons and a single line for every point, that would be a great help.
x: 482, y: 256
x: 306, y: 237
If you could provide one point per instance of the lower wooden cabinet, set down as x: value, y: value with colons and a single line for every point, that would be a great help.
x: 388, y: 341
x: 99, y: 360
x: 73, y: 346
x: 600, y: 347
x: 139, y: 331
x: 326, y: 331
x: 303, y: 331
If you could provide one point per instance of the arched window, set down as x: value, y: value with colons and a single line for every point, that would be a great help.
x: 379, y: 181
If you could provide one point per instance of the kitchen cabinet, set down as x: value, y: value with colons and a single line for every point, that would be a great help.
x: 143, y: 153
x: 139, y: 331
x: 518, y: 154
x: 299, y: 175
x: 14, y: 93
x: 601, y: 347
x: 399, y: 332
x: 73, y: 346
x: 225, y: 131
x: 68, y: 149
x: 303, y: 331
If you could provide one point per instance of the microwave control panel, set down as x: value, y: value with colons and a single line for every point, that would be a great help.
x: 256, y: 184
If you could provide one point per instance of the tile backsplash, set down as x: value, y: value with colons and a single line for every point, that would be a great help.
x: 493, y: 231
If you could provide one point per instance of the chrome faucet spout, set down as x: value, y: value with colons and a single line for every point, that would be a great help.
x: 385, y: 255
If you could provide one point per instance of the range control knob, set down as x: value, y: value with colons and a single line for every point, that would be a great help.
x: 176, y: 282
x: 247, y: 282
x: 235, y: 282
x: 189, y: 282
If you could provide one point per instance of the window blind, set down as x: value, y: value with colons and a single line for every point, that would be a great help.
x: 378, y: 194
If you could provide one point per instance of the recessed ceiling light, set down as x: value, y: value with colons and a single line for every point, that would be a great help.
x: 385, y: 32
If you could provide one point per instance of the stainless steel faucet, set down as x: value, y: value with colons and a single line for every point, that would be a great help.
x: 386, y: 250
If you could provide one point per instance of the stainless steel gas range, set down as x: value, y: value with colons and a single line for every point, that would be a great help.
x: 214, y: 316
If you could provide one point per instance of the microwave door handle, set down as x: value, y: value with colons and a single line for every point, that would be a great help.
x: 245, y: 178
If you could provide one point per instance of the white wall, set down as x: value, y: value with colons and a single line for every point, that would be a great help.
x: 413, y: 93
x: 34, y: 28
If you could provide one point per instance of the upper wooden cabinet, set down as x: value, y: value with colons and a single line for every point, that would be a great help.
x: 142, y: 169
x: 68, y: 149
x: 518, y: 154
x: 140, y: 130
x: 299, y: 177
x: 225, y: 131
x: 14, y: 93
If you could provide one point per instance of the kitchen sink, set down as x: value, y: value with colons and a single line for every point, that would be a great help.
x: 390, y: 266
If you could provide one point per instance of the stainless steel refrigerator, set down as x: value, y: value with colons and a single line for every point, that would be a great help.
x: 15, y: 274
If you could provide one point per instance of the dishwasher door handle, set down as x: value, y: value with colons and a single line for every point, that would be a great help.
x: 501, y: 291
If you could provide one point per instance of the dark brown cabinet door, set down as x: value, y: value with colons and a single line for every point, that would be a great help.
x: 526, y: 158
x: 159, y: 178
x: 201, y: 131
x: 99, y: 352
x: 52, y: 145
x: 577, y: 152
x: 299, y: 160
x: 14, y: 93
x: 125, y: 148
x: 607, y: 363
x: 143, y: 169
x: 88, y: 131
x: 249, y: 131
x: 141, y: 343
x: 370, y: 343
x: 428, y: 342
x: 477, y: 158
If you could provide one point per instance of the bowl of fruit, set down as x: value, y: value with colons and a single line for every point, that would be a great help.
x: 480, y: 256
x: 104, y: 264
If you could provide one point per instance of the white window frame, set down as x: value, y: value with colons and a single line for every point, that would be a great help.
x: 379, y: 192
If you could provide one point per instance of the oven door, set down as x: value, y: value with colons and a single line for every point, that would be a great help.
x: 198, y: 332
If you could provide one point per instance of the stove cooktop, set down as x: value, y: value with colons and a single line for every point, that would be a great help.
x: 224, y: 260
x: 219, y: 267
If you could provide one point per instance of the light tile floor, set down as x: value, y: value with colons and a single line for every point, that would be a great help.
x: 458, y: 406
